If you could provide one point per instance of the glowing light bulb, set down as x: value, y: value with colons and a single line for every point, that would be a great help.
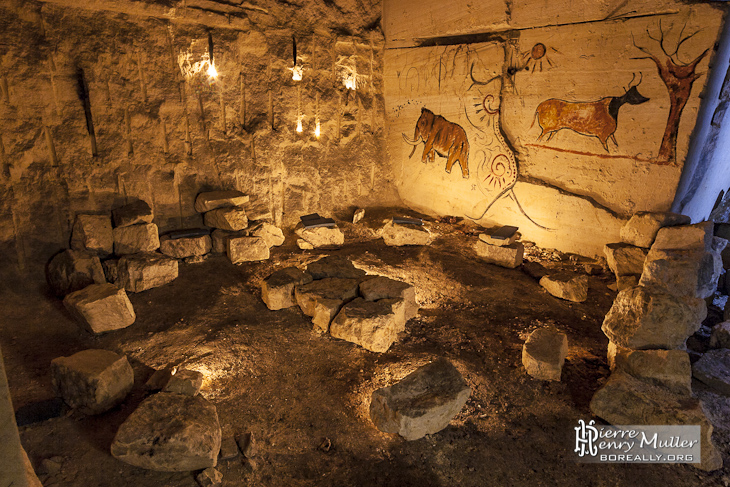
x: 296, y: 73
x: 212, y: 72
x: 350, y: 81
x: 317, y: 130
x: 299, y: 125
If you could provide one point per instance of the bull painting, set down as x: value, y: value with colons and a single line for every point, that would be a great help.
x: 441, y: 137
x: 595, y: 119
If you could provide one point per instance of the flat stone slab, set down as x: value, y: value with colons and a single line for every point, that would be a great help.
x: 666, y: 368
x: 374, y: 325
x: 713, y: 369
x: 307, y: 295
x: 697, y: 236
x: 320, y: 236
x: 184, y: 381
x: 566, y: 286
x: 139, y: 272
x: 93, y: 233
x: 647, y: 318
x: 180, y: 248
x: 101, y: 308
x: 544, y: 352
x: 334, y: 266
x: 213, y: 200
x: 277, y: 290
x: 421, y: 404
x: 231, y: 218
x: 499, y: 242
x: 73, y: 270
x: 170, y: 433
x: 397, y: 235
x: 273, y: 235
x: 132, y: 239
x: 509, y: 256
x: 92, y: 381
x: 627, y: 400
x: 247, y: 249
x: 381, y: 287
x: 132, y: 214
x: 642, y: 228
x: 624, y: 259
x: 304, y: 245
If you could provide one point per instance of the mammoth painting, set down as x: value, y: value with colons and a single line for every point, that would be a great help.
x: 441, y: 137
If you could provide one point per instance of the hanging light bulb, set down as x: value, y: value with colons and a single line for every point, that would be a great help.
x: 299, y: 125
x: 212, y: 72
x: 317, y: 129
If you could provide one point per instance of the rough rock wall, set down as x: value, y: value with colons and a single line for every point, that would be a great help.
x: 165, y: 128
x: 563, y: 118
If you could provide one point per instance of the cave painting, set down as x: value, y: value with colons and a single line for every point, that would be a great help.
x: 594, y: 119
x: 441, y: 137
x: 678, y: 78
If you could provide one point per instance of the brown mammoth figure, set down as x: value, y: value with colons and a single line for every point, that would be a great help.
x: 443, y: 137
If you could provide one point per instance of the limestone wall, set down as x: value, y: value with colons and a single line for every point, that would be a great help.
x: 164, y: 132
x: 559, y: 108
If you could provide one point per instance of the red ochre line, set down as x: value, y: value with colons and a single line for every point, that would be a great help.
x: 600, y: 156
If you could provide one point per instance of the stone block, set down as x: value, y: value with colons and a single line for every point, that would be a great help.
x: 229, y: 448
x: 93, y: 233
x: 624, y: 259
x: 139, y: 272
x: 100, y: 307
x: 92, y: 381
x: 627, y: 400
x: 111, y: 270
x: 642, y: 228
x: 325, y: 311
x: 625, y: 282
x: 544, y: 352
x: 646, y: 318
x: 397, y: 235
x: 307, y: 295
x: 499, y: 242
x: 73, y: 270
x: 180, y: 248
x: 374, y: 325
x: 359, y: 215
x: 213, y: 200
x: 247, y: 249
x: 231, y: 218
x: 685, y: 237
x: 159, y: 378
x: 219, y: 239
x: 136, y: 238
x: 566, y: 286
x: 422, y: 403
x: 184, y: 381
x: 667, y: 368
x: 682, y: 272
x: 277, y: 290
x: 209, y: 477
x: 381, y: 287
x: 135, y: 213
x: 509, y: 256
x: 720, y: 337
x: 713, y: 369
x: 270, y: 233
x: 170, y: 433
x: 304, y: 245
x: 320, y: 236
x: 335, y: 266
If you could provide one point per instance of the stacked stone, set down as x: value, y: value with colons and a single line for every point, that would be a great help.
x: 225, y: 212
x: 369, y: 311
x: 649, y: 324
x: 502, y: 252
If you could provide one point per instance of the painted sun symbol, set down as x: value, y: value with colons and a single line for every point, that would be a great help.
x: 534, y: 58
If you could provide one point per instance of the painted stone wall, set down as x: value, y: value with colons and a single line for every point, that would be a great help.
x: 569, y: 121
x: 165, y: 128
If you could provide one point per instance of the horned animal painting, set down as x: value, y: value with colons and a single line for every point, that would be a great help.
x: 595, y: 119
x: 441, y: 137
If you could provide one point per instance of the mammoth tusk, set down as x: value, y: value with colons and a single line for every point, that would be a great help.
x: 412, y: 142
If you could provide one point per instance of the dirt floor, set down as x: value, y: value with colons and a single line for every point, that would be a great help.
x: 298, y: 391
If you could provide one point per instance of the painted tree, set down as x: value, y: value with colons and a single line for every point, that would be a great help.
x: 678, y: 78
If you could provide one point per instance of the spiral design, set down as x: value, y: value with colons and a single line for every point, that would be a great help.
x: 487, y: 104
